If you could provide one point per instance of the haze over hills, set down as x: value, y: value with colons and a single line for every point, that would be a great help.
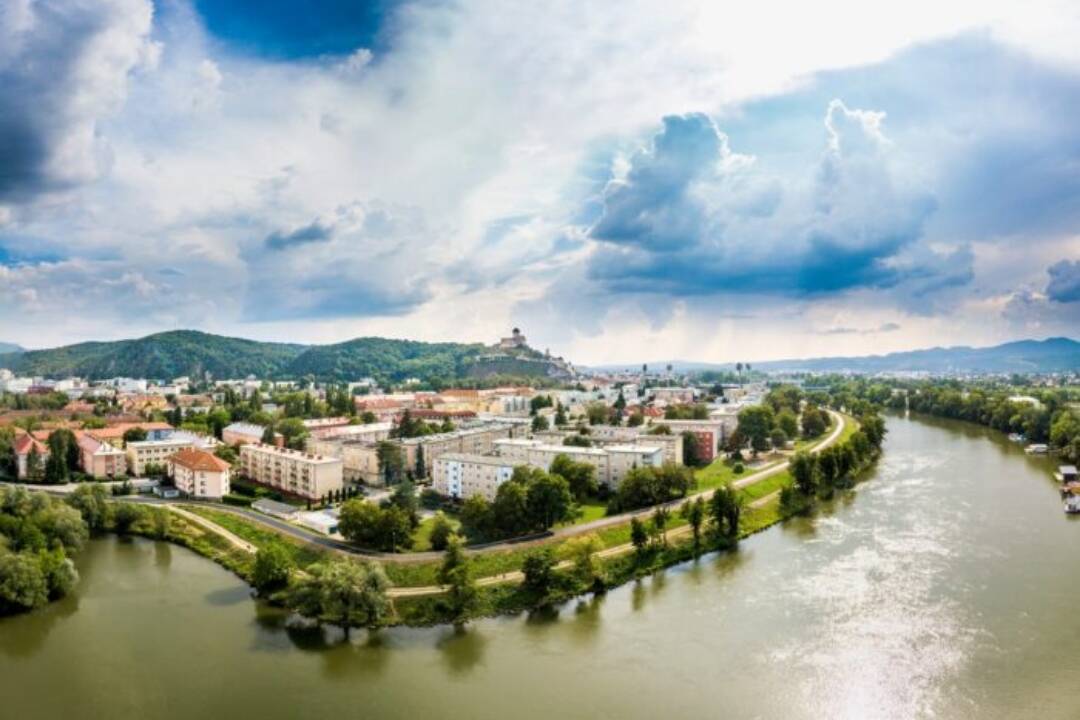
x: 177, y: 353
x: 1022, y: 356
x: 9, y: 348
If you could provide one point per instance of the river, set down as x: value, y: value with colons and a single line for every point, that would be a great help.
x: 945, y: 586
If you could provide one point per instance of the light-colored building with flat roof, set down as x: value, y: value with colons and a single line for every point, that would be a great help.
x: 99, y: 459
x: 157, y: 452
x: 298, y: 473
x: 462, y: 475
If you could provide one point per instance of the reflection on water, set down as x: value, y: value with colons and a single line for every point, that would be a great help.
x: 940, y: 588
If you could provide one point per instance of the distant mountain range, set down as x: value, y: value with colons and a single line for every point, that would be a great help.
x: 1023, y: 356
x: 9, y: 348
x: 168, y: 355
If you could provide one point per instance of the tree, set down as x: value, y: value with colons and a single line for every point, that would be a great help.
x: 659, y: 522
x: 581, y: 553
x: 694, y: 512
x: 404, y: 497
x: 90, y: 501
x: 803, y: 469
x: 343, y: 592
x: 56, y: 465
x: 273, y: 567
x: 597, y: 413
x: 539, y: 570
x: 639, y: 536
x: 125, y: 516
x: 421, y: 465
x: 577, y: 440
x: 787, y: 421
x: 581, y: 476
x: 269, y: 436
x: 814, y: 422
x: 726, y: 509
x: 692, y: 456
x: 22, y: 583
x: 778, y: 439
x: 828, y: 468
x: 548, y: 500
x: 441, y: 530
x: 462, y: 596
x: 35, y: 471
x: 477, y: 517
x: 135, y: 434
x: 294, y: 432
x: 539, y: 423
x: 560, y: 415
x: 755, y: 423
x: 391, y: 461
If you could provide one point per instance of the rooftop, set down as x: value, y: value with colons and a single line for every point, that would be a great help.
x: 200, y: 460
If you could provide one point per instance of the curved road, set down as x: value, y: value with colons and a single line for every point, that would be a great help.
x: 563, y: 532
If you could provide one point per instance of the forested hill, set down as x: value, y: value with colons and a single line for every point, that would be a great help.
x: 160, y: 356
x: 168, y: 355
x: 1023, y: 356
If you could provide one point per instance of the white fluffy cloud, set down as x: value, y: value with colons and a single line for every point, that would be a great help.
x: 441, y: 187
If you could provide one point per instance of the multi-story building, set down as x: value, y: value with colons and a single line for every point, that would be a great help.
x: 624, y: 458
x: 298, y: 473
x: 157, y: 452
x: 709, y: 434
x: 462, y: 475
x: 98, y: 458
x: 540, y: 454
x: 478, y: 440
x: 26, y: 446
x: 239, y: 433
x: 200, y: 474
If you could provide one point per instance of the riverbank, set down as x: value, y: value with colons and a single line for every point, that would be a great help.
x: 417, y: 594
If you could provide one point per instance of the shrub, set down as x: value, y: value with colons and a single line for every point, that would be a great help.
x: 738, y: 469
x: 238, y: 500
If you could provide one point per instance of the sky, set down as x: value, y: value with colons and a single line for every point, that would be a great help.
x: 642, y: 181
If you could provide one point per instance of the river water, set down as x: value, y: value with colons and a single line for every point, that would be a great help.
x: 946, y: 586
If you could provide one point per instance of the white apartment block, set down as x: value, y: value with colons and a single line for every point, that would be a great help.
x: 462, y: 475
x: 298, y: 473
x: 157, y: 452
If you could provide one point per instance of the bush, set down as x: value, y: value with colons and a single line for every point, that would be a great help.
x: 738, y: 469
x: 430, y: 499
x: 238, y: 500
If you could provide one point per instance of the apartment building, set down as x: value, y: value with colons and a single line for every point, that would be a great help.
x: 709, y: 434
x: 200, y: 474
x: 624, y: 458
x: 239, y: 433
x: 157, y: 452
x: 298, y: 473
x: 540, y: 454
x: 98, y: 458
x: 478, y: 440
x: 462, y: 475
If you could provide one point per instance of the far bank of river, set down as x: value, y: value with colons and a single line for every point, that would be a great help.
x: 941, y: 587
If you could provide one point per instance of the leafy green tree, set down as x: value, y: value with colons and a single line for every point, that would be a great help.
x: 692, y: 454
x: 581, y: 476
x: 125, y: 516
x: 462, y: 596
x: 660, y: 519
x: 597, y: 413
x: 560, y: 415
x: 778, y: 439
x: 91, y: 501
x: 694, y: 513
x: 345, y: 593
x: 577, y: 441
x: 581, y: 551
x: 803, y: 468
x: 391, y: 461
x: 539, y: 570
x: 814, y: 422
x: 22, y: 583
x: 477, y: 517
x: 441, y: 530
x: 548, y: 501
x: 539, y: 423
x: 756, y: 423
x: 56, y: 465
x: 639, y: 536
x: 35, y: 470
x: 273, y: 567
x: 294, y: 432
x: 510, y: 510
x: 726, y: 510
x: 787, y: 421
x: 135, y: 434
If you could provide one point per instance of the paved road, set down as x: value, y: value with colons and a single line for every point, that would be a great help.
x: 327, y: 543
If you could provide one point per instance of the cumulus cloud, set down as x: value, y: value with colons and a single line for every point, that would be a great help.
x: 64, y: 66
x: 687, y: 218
x: 1064, y: 284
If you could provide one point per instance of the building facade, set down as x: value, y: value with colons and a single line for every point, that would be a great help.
x: 200, y: 474
x: 463, y: 475
x: 298, y: 473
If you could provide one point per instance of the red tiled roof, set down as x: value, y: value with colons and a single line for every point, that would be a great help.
x: 26, y: 441
x: 200, y: 460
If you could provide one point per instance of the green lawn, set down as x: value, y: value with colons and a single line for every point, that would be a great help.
x: 422, y: 534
